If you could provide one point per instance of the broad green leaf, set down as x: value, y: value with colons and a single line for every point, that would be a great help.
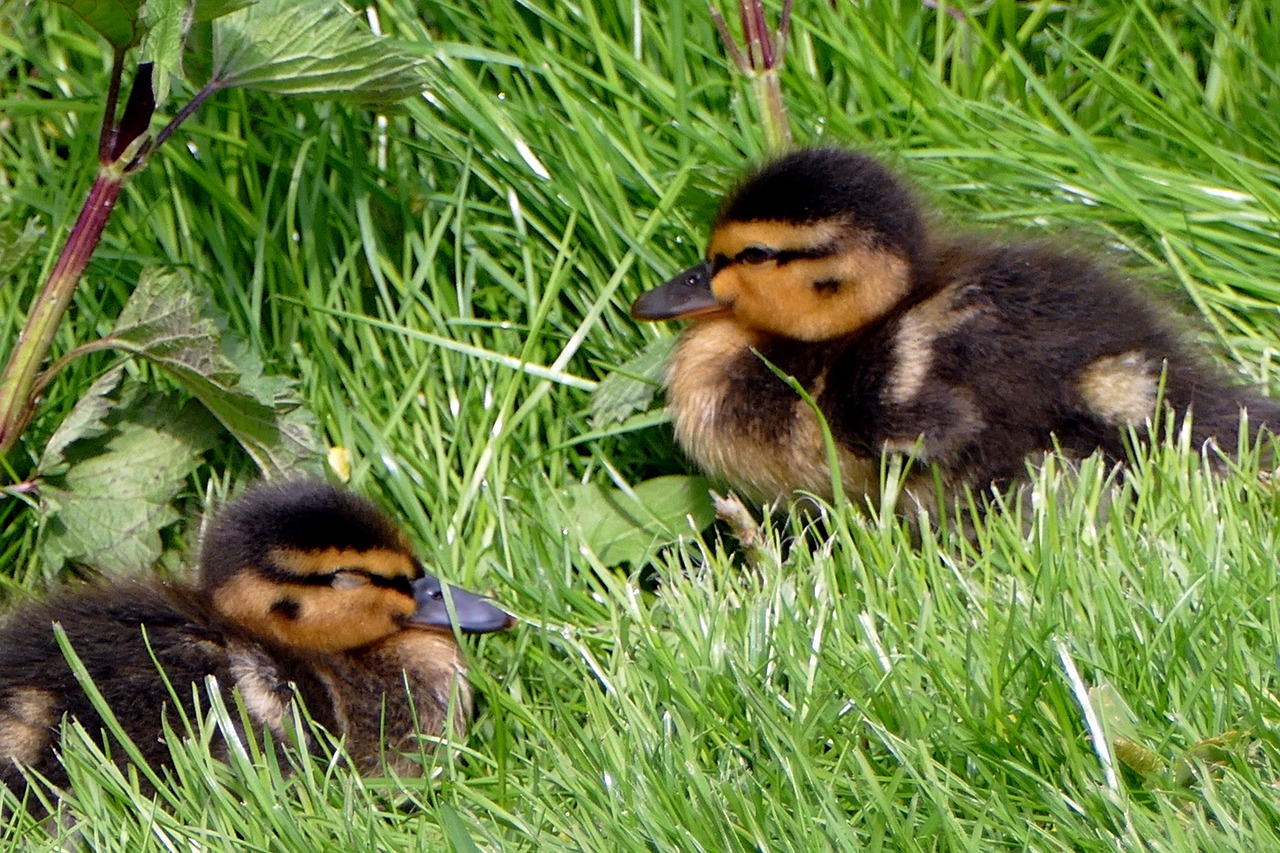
x: 621, y: 527
x: 17, y: 243
x: 84, y: 421
x: 116, y: 20
x: 318, y: 49
x: 631, y: 388
x: 169, y: 323
x: 167, y: 22
x: 207, y: 10
x: 106, y: 500
x: 263, y: 412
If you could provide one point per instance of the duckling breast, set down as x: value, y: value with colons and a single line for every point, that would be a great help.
x: 741, y: 424
x: 385, y: 698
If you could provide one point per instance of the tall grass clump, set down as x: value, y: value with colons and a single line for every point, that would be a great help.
x: 1091, y: 668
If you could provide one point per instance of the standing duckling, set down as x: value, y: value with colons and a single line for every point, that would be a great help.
x: 966, y: 354
x: 305, y: 592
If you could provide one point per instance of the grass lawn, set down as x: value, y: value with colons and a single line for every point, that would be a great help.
x: 1092, y: 669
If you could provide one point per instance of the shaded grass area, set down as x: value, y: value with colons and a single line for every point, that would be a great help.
x: 449, y: 284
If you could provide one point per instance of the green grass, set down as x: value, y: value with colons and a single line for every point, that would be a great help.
x: 862, y: 685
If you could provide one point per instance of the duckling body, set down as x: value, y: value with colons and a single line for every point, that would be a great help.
x: 970, y: 356
x: 307, y: 593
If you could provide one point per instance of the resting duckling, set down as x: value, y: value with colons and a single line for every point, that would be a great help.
x: 305, y: 592
x: 969, y: 356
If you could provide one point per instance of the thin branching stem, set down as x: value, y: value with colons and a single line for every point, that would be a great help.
x: 183, y: 114
x: 107, y: 136
x: 49, y: 373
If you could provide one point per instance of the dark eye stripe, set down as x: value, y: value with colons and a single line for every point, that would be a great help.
x: 399, y: 584
x: 787, y: 255
x: 758, y: 254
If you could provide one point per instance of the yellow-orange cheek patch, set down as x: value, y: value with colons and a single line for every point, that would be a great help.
x: 317, y: 618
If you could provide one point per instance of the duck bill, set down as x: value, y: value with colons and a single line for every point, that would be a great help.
x: 471, y: 614
x: 687, y: 295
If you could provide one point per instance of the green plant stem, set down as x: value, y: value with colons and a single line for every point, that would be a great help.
x: 17, y: 403
x: 773, y: 112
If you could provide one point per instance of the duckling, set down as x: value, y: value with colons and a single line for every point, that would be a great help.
x: 968, y: 355
x: 305, y: 592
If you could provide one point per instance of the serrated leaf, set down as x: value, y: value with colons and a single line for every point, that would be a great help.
x: 632, y: 387
x: 263, y: 412
x: 316, y: 49
x: 167, y: 22
x: 621, y: 527
x: 17, y: 243
x: 85, y: 420
x: 116, y: 20
x: 112, y: 493
x: 168, y: 322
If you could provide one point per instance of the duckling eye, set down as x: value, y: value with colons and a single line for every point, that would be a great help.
x: 349, y: 580
x: 756, y: 255
x: 357, y: 578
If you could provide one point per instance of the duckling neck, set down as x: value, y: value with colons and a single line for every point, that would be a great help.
x: 741, y: 423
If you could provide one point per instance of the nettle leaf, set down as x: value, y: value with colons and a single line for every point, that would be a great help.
x: 111, y: 481
x: 17, y: 243
x: 263, y: 412
x: 621, y: 527
x: 207, y: 10
x: 86, y: 420
x: 632, y: 387
x: 318, y: 48
x: 116, y: 20
x: 168, y: 322
x: 167, y: 22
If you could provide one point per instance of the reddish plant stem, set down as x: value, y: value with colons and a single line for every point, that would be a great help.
x: 760, y: 60
x: 186, y: 112
x: 22, y: 383
x: 17, y: 404
x: 107, y: 136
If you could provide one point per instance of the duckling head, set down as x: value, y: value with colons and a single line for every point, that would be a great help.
x: 313, y: 568
x: 813, y: 246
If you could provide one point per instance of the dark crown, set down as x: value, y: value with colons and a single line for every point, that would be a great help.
x: 827, y: 183
x: 303, y: 515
